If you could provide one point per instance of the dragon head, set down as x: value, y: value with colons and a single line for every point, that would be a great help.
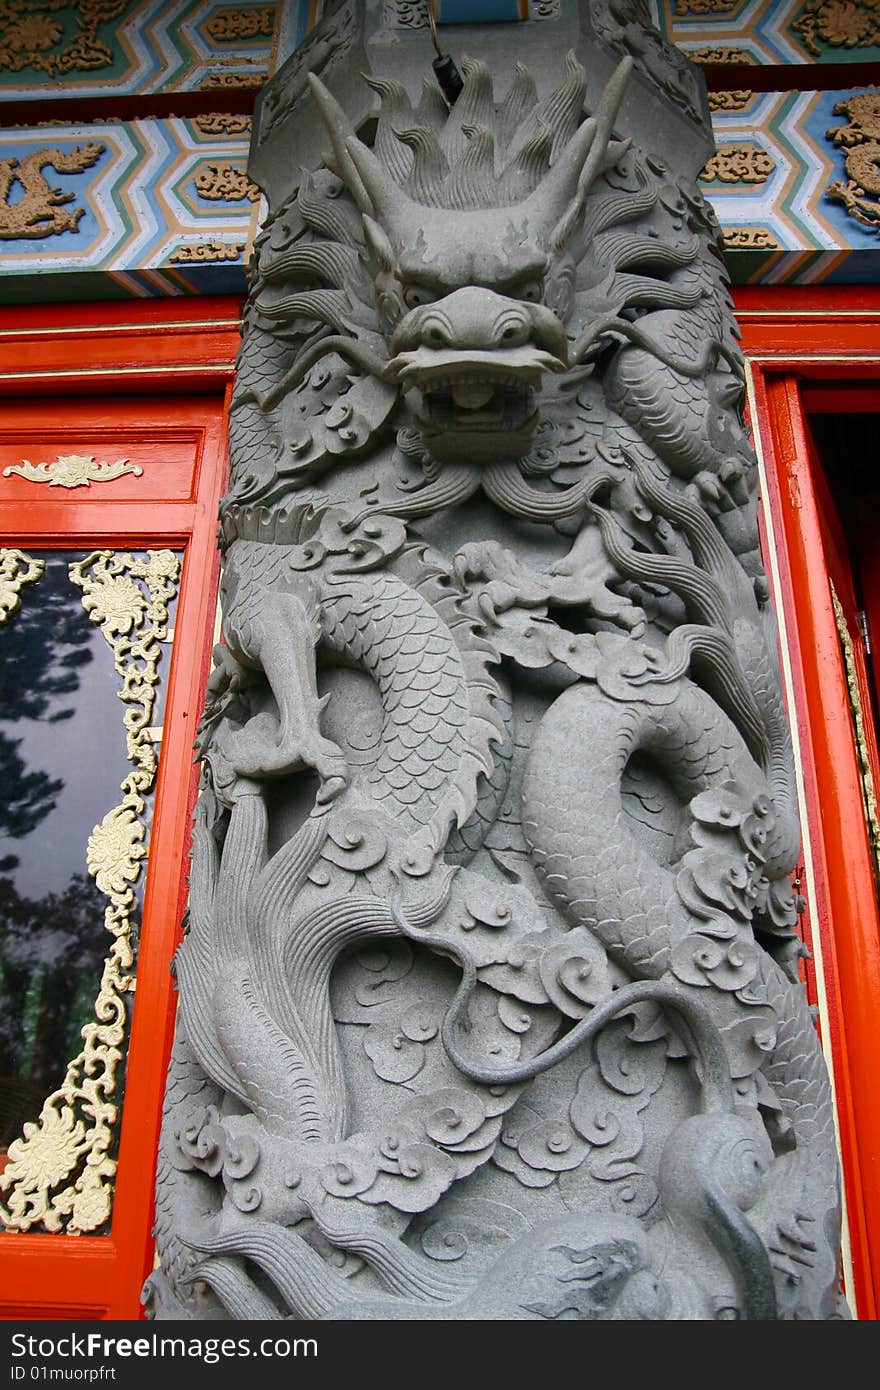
x: 473, y: 228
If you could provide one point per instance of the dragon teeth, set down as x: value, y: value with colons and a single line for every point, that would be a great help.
x: 472, y: 395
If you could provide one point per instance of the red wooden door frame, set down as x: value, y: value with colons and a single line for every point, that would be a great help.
x: 791, y: 337
x: 161, y: 349
x: 812, y: 351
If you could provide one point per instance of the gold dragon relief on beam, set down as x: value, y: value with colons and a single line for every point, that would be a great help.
x: 30, y: 208
x: 859, y: 192
x: 60, y: 1172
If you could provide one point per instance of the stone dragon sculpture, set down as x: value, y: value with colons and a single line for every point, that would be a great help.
x: 489, y: 1003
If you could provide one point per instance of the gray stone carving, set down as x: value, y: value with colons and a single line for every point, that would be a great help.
x: 488, y: 999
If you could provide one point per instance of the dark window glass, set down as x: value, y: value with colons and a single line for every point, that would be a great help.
x: 63, y: 759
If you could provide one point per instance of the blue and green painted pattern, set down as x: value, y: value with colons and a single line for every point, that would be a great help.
x: 816, y: 240
x: 147, y: 46
x: 481, y: 11
x: 144, y: 200
x: 775, y: 31
x: 141, y: 206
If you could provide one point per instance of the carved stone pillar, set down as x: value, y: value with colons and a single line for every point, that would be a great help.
x: 488, y: 1001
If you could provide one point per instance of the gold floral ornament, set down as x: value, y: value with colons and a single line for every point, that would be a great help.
x: 838, y: 24
x: 16, y: 570
x: 31, y: 35
x: 61, y: 1170
x: 72, y: 470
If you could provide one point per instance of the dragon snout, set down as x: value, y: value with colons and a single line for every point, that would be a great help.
x: 478, y: 322
x: 477, y: 357
x: 475, y: 319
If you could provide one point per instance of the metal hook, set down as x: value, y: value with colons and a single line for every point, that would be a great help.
x: 432, y: 22
x: 447, y: 74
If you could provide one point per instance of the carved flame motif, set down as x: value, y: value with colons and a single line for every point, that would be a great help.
x: 72, y: 470
x: 488, y: 1000
x: 60, y: 1172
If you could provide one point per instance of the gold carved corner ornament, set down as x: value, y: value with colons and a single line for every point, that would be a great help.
x: 30, y: 208
x: 749, y: 239
x: 60, y: 1172
x: 860, y: 194
x: 746, y: 164
x: 217, y: 80
x: 707, y: 7
x: 201, y: 252
x: 72, y: 470
x: 16, y: 570
x: 231, y: 25
x: 732, y: 100
x: 222, y: 123
x: 225, y: 183
x: 866, y: 779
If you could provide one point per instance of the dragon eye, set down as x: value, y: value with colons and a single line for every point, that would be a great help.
x: 533, y: 292
x: 414, y: 296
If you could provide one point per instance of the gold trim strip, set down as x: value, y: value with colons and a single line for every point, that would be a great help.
x: 782, y: 359
x: 866, y: 778
x: 157, y: 370
x: 868, y: 314
x: 76, y: 330
x: 60, y: 1174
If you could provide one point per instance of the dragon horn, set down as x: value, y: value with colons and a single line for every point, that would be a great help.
x: 386, y: 197
x: 560, y: 194
x: 341, y: 131
x: 605, y: 118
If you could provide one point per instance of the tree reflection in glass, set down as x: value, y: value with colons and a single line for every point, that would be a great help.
x: 62, y: 758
